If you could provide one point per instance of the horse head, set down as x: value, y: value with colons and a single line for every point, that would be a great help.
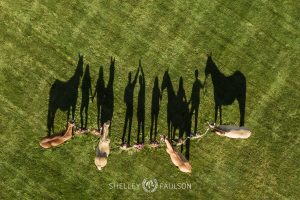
x: 211, y: 125
x: 162, y: 138
x: 71, y: 123
x: 208, y: 67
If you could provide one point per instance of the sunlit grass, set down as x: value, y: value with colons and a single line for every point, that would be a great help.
x: 40, y: 43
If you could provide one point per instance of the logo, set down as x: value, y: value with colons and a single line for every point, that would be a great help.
x: 149, y: 185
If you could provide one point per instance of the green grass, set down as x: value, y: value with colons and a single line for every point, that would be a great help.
x: 39, y: 43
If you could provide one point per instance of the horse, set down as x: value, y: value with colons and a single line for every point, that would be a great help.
x: 103, y: 149
x: 63, y: 95
x: 172, y: 104
x: 226, y: 88
x: 54, y: 141
x: 176, y: 157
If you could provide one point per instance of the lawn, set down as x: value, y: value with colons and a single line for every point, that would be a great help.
x: 40, y: 42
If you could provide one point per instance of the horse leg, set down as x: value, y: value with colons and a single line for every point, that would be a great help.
x: 196, y: 120
x: 50, y: 121
x: 242, y: 110
x: 220, y: 109
x: 174, y: 132
x: 98, y: 116
x: 73, y: 111
x: 216, y: 112
x: 187, y: 149
x: 68, y: 116
x: 169, y: 128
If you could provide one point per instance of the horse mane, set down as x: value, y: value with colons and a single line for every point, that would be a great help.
x: 214, y: 66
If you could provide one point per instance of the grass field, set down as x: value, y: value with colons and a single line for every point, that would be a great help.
x: 39, y: 42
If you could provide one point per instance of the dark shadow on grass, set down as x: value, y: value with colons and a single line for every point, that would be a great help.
x: 105, y: 95
x: 128, y: 99
x: 227, y: 89
x: 156, y: 97
x: 141, y: 106
x: 99, y: 91
x: 183, y: 118
x: 86, y: 88
x: 195, y: 99
x: 63, y: 95
x: 107, y: 110
x: 171, y: 104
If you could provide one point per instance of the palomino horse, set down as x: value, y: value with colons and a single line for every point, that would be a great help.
x: 226, y: 89
x: 63, y: 96
x: 176, y: 157
x: 103, y: 149
x: 54, y: 141
x: 172, y: 104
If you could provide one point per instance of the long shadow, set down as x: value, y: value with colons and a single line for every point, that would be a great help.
x: 180, y: 110
x: 99, y: 91
x: 128, y: 99
x: 195, y: 99
x: 183, y: 118
x: 86, y: 88
x: 108, y: 101
x: 226, y: 89
x: 156, y: 97
x: 141, y: 106
x: 188, y: 126
x: 172, y: 103
x: 63, y: 95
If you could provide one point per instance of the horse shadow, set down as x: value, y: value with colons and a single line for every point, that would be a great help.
x: 183, y: 118
x: 178, y: 113
x: 86, y: 89
x: 226, y: 89
x: 171, y: 104
x: 63, y: 95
